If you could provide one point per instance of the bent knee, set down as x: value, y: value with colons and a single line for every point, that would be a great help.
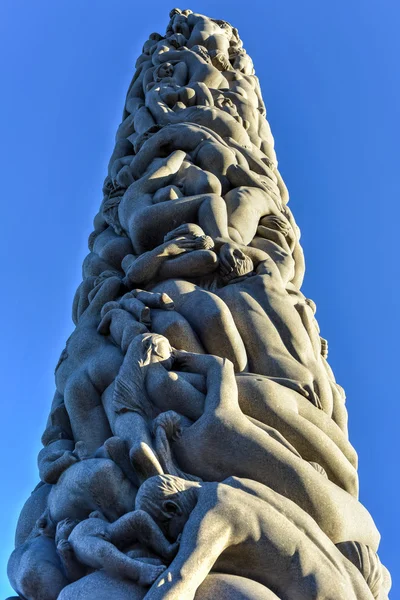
x: 208, y: 258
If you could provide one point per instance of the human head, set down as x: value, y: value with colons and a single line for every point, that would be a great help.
x: 169, y: 500
x: 162, y: 71
x: 221, y: 62
x: 154, y: 348
x: 242, y: 62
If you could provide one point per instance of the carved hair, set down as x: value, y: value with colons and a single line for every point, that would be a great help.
x: 154, y: 491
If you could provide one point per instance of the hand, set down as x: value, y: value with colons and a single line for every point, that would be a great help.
x: 228, y: 256
x: 181, y: 359
x: 234, y: 263
x: 180, y: 245
x: 184, y: 229
x: 64, y: 547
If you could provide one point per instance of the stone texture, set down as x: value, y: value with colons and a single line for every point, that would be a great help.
x: 197, y: 441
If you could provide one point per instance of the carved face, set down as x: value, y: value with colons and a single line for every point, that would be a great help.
x: 163, y: 71
x: 243, y: 63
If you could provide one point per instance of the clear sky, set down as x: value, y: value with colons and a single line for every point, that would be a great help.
x: 330, y: 79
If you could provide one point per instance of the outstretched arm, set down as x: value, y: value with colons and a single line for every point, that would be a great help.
x: 204, y: 538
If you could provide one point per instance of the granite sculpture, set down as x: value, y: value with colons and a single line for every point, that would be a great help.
x: 197, y: 441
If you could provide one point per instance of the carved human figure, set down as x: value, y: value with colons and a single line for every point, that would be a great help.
x: 99, y: 544
x: 59, y: 451
x: 107, y: 251
x: 279, y: 403
x: 35, y: 569
x: 198, y: 64
x: 90, y: 485
x: 224, y: 524
x: 207, y: 149
x: 86, y: 368
x: 185, y: 256
x: 246, y: 450
x: 94, y: 355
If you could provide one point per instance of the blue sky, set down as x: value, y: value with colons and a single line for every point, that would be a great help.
x: 330, y: 79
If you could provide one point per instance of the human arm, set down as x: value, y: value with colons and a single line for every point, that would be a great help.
x: 55, y: 458
x: 219, y: 373
x: 138, y: 526
x: 157, y: 177
x: 146, y: 267
x: 204, y: 538
x: 106, y: 290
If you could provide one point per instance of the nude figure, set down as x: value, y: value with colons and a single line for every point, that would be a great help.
x: 86, y: 368
x: 146, y: 223
x: 127, y: 408
x: 90, y: 485
x: 278, y: 403
x: 292, y: 347
x: 93, y: 357
x: 246, y: 450
x: 59, y: 449
x: 243, y: 527
x: 151, y: 206
x: 57, y: 455
x: 99, y: 544
x: 107, y: 249
x: 288, y: 327
x: 34, y: 568
x: 185, y: 256
x: 213, y: 115
x: 198, y: 67
x: 200, y: 30
x: 254, y: 122
x: 207, y: 149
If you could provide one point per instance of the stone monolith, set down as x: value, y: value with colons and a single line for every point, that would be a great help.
x: 197, y: 444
